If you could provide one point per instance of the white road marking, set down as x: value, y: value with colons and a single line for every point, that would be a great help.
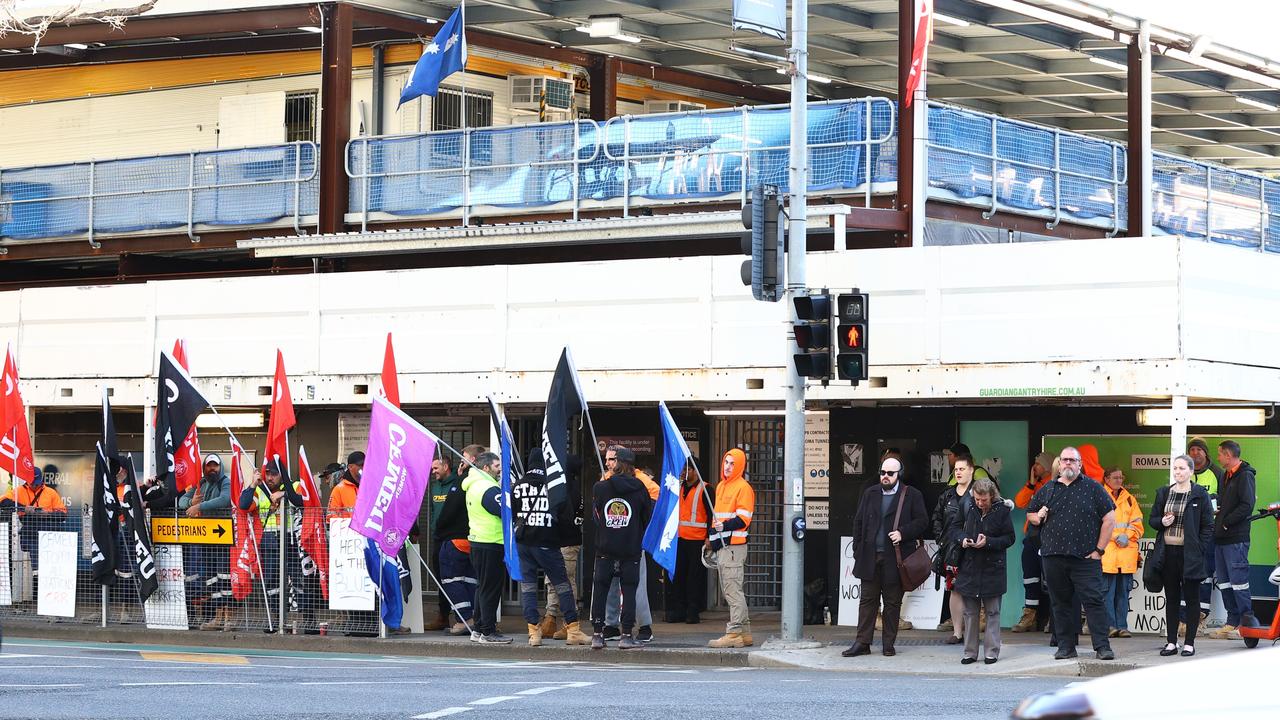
x: 442, y: 713
x: 369, y: 682
x: 47, y: 685
x: 683, y: 681
x: 181, y: 683
x: 493, y: 700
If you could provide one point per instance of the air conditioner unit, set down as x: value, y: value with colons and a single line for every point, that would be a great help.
x: 527, y: 92
x: 652, y: 107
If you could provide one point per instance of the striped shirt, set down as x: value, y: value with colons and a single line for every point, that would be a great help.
x: 1177, y: 505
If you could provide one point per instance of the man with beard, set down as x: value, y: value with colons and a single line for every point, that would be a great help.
x: 1075, y: 519
x: 210, y: 498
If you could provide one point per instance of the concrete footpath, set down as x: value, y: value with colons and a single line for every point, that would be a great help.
x: 919, y: 652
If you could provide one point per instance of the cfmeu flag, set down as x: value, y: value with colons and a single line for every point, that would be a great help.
x: 178, y: 403
x: 186, y: 463
x: 397, y: 469
x: 444, y: 56
x: 660, y: 537
x: 563, y: 402
x: 920, y: 48
x: 15, y: 445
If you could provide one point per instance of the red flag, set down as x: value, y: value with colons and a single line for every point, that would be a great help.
x: 186, y: 461
x: 15, y: 446
x: 919, y: 50
x: 312, y: 536
x: 248, y: 528
x: 390, y: 385
x: 282, y: 418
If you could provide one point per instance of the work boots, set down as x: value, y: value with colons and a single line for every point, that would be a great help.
x: 562, y: 630
x: 731, y: 640
x: 535, y: 636
x: 548, y: 627
x: 1026, y: 623
x: 574, y: 635
x: 215, y: 622
x: 437, y: 623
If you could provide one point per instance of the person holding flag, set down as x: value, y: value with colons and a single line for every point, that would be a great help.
x: 687, y: 589
x: 262, y: 498
x: 664, y: 539
x: 484, y: 516
x: 538, y: 544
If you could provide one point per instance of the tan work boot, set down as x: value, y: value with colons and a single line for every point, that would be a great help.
x: 573, y: 635
x: 1226, y: 632
x: 905, y: 625
x: 437, y: 623
x: 548, y: 626
x: 729, y: 640
x: 215, y: 622
x: 562, y: 631
x: 229, y: 616
x: 747, y: 640
x: 1026, y: 623
x: 535, y: 636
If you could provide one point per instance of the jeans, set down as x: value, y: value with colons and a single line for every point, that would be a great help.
x: 1232, y: 573
x: 551, y: 562
x: 491, y: 573
x: 1117, y: 587
x: 1074, y: 582
x: 615, y: 596
x: 627, y: 573
x: 457, y: 580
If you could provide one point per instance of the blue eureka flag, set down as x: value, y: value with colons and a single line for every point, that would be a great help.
x: 660, y: 537
x: 509, y: 555
x: 385, y: 571
x: 446, y: 55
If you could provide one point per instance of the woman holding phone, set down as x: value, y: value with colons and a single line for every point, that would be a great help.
x: 1184, y: 519
x: 987, y: 536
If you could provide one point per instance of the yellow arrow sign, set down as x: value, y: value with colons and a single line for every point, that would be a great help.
x: 191, y: 531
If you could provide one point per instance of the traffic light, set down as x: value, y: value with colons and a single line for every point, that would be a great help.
x: 852, y: 320
x: 813, y: 335
x: 763, y: 272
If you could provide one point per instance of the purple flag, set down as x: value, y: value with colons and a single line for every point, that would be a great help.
x: 397, y: 467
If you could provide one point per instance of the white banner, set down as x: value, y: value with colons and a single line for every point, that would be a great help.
x: 921, y: 607
x: 350, y: 587
x: 57, y: 587
x: 166, y: 609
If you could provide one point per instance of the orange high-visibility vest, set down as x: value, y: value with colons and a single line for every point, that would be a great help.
x: 735, y: 498
x: 693, y: 512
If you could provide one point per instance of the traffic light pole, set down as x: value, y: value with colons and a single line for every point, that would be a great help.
x: 797, y: 284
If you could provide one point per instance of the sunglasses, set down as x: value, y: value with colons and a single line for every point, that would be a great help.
x: 889, y: 473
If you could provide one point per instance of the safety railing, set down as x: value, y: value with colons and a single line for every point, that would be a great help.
x: 234, y: 187
x: 621, y: 163
x: 1226, y: 205
x: 1019, y: 167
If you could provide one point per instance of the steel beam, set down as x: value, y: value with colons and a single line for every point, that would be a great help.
x: 1138, y: 156
x: 335, y: 114
x: 148, y: 28
x: 603, y: 73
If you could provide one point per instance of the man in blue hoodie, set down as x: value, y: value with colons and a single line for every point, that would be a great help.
x: 621, y: 507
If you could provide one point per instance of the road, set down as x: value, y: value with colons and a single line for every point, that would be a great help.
x: 48, y: 679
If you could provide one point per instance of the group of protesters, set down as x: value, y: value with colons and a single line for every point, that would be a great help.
x: 1081, y: 549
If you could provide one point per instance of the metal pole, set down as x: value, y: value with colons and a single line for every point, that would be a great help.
x: 797, y: 227
x: 282, y: 520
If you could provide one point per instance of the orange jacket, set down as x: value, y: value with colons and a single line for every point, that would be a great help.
x: 645, y: 478
x: 694, y: 512
x: 1026, y: 492
x: 1090, y: 463
x: 735, y: 499
x: 1128, y: 523
x: 42, y: 498
x: 342, y: 499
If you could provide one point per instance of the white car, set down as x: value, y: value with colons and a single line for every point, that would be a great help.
x: 1236, y: 686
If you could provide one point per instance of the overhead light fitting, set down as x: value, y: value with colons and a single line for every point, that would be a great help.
x: 1108, y: 63
x: 310, y: 29
x: 1059, y: 19
x: 711, y: 412
x: 1255, y: 103
x: 1205, y: 417
x: 230, y: 420
x: 602, y: 26
x: 808, y: 76
x: 11, y: 51
x: 950, y: 20
x: 77, y: 46
x: 625, y: 38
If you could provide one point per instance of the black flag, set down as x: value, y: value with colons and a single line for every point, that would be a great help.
x: 105, y: 555
x: 178, y: 403
x: 138, y: 533
x: 563, y: 402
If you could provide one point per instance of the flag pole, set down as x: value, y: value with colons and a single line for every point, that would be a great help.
x: 452, y: 604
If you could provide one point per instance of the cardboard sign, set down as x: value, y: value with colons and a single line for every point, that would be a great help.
x: 350, y: 587
x: 166, y: 609
x: 921, y: 607
x: 57, y: 588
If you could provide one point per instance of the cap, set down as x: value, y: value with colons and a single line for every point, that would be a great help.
x: 355, y: 458
x: 332, y: 468
x: 38, y: 478
x: 212, y: 458
x: 959, y: 449
x: 1200, y: 443
x: 626, y: 455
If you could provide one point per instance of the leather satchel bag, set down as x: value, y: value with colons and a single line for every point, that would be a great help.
x: 917, y: 566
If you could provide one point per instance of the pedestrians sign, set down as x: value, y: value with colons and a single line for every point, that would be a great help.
x: 191, y: 531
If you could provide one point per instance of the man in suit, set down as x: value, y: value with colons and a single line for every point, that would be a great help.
x: 875, y: 562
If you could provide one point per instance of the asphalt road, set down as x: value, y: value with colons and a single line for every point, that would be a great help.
x: 47, y: 679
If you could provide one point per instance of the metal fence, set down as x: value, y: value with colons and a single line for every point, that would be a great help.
x: 246, y: 186
x: 625, y: 162
x: 762, y: 440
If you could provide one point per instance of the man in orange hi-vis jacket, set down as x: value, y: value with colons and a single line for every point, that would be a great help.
x: 735, y: 502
